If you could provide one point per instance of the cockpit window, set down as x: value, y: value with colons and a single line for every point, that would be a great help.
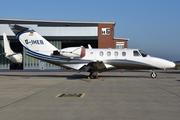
x: 136, y: 53
x: 143, y: 53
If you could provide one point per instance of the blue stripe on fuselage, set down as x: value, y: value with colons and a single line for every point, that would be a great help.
x: 41, y: 55
x: 130, y: 62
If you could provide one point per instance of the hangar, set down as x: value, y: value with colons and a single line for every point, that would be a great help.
x: 61, y: 34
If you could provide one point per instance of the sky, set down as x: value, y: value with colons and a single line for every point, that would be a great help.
x: 151, y: 25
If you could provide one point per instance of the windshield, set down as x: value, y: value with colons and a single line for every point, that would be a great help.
x: 143, y: 53
x: 136, y: 53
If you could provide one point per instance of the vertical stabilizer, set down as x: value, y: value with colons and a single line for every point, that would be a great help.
x: 31, y: 40
x: 7, y: 48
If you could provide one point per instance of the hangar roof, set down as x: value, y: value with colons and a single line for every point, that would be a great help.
x: 53, y: 22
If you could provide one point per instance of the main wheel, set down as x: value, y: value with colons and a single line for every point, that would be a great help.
x: 92, y: 76
x: 153, y: 75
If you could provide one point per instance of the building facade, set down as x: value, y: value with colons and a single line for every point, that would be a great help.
x: 61, y: 34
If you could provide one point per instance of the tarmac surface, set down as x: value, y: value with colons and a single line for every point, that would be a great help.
x: 117, y: 95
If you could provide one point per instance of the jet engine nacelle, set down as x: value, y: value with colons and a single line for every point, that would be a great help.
x: 73, y: 52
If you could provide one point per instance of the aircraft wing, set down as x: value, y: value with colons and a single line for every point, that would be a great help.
x: 74, y: 66
x: 90, y: 66
x: 87, y: 67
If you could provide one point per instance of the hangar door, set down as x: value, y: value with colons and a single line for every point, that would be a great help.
x: 32, y: 63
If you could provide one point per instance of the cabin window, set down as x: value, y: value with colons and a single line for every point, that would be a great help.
x: 136, y: 53
x: 116, y: 53
x: 101, y: 53
x: 108, y: 53
x: 123, y: 53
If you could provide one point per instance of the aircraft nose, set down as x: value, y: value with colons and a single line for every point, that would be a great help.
x: 163, y: 64
x: 167, y: 64
x: 172, y: 65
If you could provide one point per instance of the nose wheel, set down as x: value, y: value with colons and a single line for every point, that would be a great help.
x: 153, y: 75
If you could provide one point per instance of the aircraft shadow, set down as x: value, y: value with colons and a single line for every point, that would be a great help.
x: 74, y: 76
x: 173, y: 72
x: 50, y: 76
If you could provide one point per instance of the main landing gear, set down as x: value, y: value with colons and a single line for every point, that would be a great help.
x: 93, y: 70
x: 153, y: 74
x: 93, y: 75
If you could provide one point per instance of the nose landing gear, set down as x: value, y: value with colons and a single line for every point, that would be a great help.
x: 153, y: 74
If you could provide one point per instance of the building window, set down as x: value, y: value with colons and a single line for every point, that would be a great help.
x: 120, y: 45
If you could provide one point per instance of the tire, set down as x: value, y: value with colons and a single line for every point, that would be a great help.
x: 153, y: 75
x: 92, y: 76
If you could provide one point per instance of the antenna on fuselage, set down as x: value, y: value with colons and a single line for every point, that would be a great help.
x: 89, y: 46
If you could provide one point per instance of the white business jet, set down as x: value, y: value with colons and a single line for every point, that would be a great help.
x: 9, y: 54
x: 89, y: 60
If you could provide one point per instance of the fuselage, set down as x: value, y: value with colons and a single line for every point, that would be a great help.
x: 112, y: 59
x: 127, y: 59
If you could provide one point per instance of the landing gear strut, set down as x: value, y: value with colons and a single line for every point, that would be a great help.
x: 153, y: 74
x: 94, y: 70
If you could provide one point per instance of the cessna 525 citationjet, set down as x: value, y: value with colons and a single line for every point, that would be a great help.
x: 89, y: 60
x: 9, y: 54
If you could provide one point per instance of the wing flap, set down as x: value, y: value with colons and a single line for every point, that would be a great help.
x: 87, y: 67
x: 74, y: 66
x: 98, y: 65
